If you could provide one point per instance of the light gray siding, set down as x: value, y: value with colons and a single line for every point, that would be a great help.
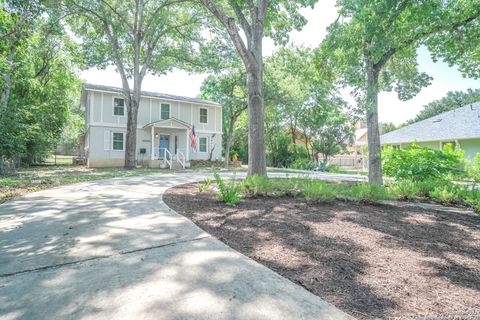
x: 101, y: 123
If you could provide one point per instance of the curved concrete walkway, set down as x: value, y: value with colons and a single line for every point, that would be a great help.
x: 113, y: 250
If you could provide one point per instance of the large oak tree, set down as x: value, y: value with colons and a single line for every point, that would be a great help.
x: 247, y: 22
x: 375, y: 42
x: 137, y: 37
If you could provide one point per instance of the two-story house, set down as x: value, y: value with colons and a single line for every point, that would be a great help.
x: 164, y: 128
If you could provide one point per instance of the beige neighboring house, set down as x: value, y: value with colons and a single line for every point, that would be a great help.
x: 163, y: 130
x: 354, y: 157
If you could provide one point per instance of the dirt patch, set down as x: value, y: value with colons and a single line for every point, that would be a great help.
x: 370, y: 261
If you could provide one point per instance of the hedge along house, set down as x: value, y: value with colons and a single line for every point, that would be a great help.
x: 164, y: 128
x: 461, y: 127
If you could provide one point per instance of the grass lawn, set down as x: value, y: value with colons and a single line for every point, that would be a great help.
x: 38, y: 178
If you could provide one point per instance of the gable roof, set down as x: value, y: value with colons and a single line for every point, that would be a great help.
x: 170, y: 122
x: 461, y: 123
x: 163, y: 96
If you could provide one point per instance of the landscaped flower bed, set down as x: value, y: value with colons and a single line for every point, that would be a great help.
x: 368, y: 260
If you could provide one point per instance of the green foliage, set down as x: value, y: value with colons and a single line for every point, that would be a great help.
x: 419, y: 164
x: 230, y: 91
x: 205, y: 186
x: 318, y: 191
x: 386, y: 127
x: 229, y: 192
x: 474, y: 168
x: 280, y: 155
x: 256, y: 185
x: 412, y: 190
x: 366, y: 192
x: 44, y: 87
x: 303, y: 164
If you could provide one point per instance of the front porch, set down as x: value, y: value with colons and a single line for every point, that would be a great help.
x: 169, y: 144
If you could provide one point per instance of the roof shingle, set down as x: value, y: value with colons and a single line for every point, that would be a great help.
x: 461, y: 123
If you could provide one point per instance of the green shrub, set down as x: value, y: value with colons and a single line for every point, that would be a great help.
x: 333, y: 169
x: 205, y: 185
x: 257, y: 185
x: 303, y: 164
x: 419, y: 164
x: 229, y: 192
x: 366, y: 192
x: 298, y: 152
x: 472, y: 199
x: 474, y: 168
x: 411, y: 190
x: 318, y: 191
x: 286, y: 187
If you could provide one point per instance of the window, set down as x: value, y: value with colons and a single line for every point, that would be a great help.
x: 117, y: 141
x: 165, y: 111
x: 203, y: 115
x: 202, y: 144
x: 118, y: 107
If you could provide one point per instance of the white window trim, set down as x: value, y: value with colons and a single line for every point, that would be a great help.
x: 124, y: 107
x: 206, y: 145
x: 200, y: 116
x: 169, y: 110
x: 123, y: 144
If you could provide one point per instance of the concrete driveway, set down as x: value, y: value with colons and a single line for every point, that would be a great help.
x: 113, y: 250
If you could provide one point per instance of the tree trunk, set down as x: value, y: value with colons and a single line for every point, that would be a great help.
x: 131, y: 140
x: 256, y: 129
x: 233, y: 119
x: 7, y: 79
x: 374, y: 147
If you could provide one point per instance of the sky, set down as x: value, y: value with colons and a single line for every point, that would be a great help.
x: 391, y: 109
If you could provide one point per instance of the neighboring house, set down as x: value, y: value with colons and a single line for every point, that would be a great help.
x: 354, y: 156
x: 300, y: 138
x: 163, y: 129
x: 460, y: 127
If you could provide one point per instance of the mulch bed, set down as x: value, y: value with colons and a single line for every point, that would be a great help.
x: 370, y: 261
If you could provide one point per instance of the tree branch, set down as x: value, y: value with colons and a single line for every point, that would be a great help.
x: 229, y: 24
x: 243, y: 20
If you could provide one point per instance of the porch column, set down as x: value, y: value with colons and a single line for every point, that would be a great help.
x: 152, y: 151
x: 186, y: 146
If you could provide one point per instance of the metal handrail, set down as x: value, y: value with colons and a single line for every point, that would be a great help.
x: 182, y: 162
x: 167, y: 157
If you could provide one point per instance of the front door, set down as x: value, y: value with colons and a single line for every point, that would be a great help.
x: 164, y: 144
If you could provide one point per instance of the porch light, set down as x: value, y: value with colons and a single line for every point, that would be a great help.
x: 156, y: 135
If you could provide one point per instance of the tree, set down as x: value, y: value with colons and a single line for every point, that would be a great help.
x: 137, y: 37
x: 375, y: 44
x: 453, y: 100
x: 256, y: 18
x: 459, y: 45
x: 328, y: 125
x: 38, y: 82
x: 229, y: 90
x: 385, y: 127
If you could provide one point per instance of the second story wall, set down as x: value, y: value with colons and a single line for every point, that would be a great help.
x: 100, y: 112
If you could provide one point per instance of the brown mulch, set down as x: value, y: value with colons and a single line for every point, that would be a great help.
x: 370, y: 261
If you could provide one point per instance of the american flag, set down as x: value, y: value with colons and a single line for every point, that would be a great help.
x: 193, y: 138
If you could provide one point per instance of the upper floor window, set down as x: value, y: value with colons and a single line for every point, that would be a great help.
x: 165, y: 111
x: 118, y: 107
x: 203, y: 115
x: 117, y: 141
